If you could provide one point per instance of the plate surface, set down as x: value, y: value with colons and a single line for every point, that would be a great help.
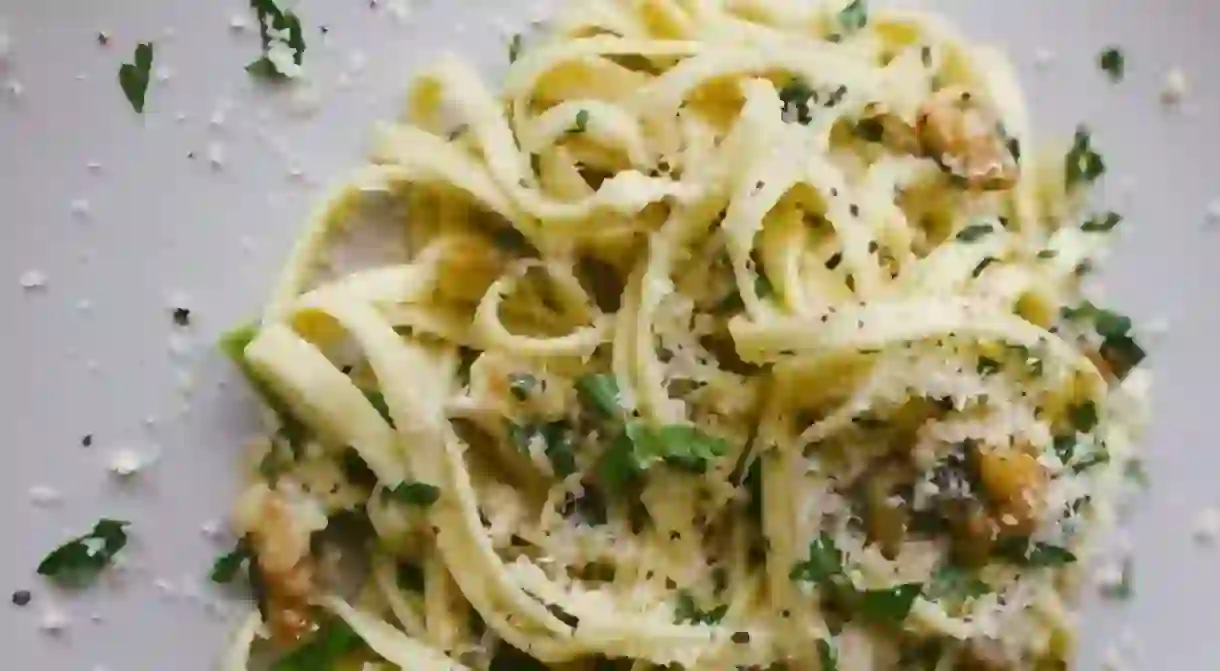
x: 195, y: 203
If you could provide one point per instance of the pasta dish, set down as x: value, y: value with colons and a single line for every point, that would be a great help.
x: 728, y: 334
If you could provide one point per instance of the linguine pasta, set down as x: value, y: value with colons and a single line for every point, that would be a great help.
x: 733, y: 334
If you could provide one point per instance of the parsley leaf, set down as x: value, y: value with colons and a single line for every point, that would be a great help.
x: 854, y: 16
x: 1113, y: 63
x: 228, y: 565
x: 974, y: 232
x: 688, y: 611
x: 1083, y: 165
x: 796, y: 97
x: 1035, y: 555
x: 1083, y: 416
x: 286, y: 26
x: 828, y: 656
x: 414, y: 494
x: 514, y: 48
x: 1101, y: 223
x: 679, y: 445
x: 988, y: 366
x: 81, y: 559
x: 334, y: 641
x: 134, y: 77
x: 889, y: 605
x: 954, y: 584
x: 618, y: 468
x: 978, y: 270
x: 601, y: 392
x: 557, y: 442
x: 1118, y: 348
x: 377, y: 400
x: 582, y: 122
x: 825, y: 561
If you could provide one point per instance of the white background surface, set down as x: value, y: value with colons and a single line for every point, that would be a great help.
x: 91, y: 353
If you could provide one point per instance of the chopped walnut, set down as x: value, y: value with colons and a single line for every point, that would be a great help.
x: 964, y: 135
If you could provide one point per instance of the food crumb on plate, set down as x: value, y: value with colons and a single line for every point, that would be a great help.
x: 1175, y: 87
x: 33, y: 279
x: 80, y: 207
x: 1207, y: 526
x: 127, y: 462
x: 216, y: 155
x: 43, y: 496
x: 54, y: 622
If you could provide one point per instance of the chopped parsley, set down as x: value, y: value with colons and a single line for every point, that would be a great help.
x: 828, y: 656
x: 1014, y: 148
x: 134, y: 77
x: 679, y: 445
x: 227, y: 566
x: 988, y: 366
x: 688, y: 611
x: 824, y: 563
x: 582, y: 122
x: 974, y: 232
x: 521, y: 385
x: 414, y: 493
x: 854, y: 16
x: 1083, y: 416
x: 514, y: 48
x: 81, y: 559
x: 1118, y: 348
x: 1083, y: 165
x: 556, y: 439
x: 329, y: 646
x: 889, y: 605
x: 276, y: 24
x: 601, y: 392
x: 377, y: 400
x: 1101, y: 223
x: 1113, y: 63
x: 796, y: 97
x: 955, y: 584
x: 978, y: 270
x: 1035, y: 555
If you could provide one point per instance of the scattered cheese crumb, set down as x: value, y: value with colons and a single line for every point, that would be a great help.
x: 33, y: 279
x: 239, y: 23
x: 1213, y: 213
x: 216, y: 155
x: 43, y: 496
x: 283, y: 58
x: 80, y: 208
x: 15, y: 88
x: 84, y: 305
x: 93, y: 166
x: 163, y: 73
x: 6, y: 44
x: 399, y: 10
x: 53, y: 622
x: 126, y: 463
x: 1175, y: 88
x: 1043, y: 58
x: 1207, y: 527
x: 212, y: 529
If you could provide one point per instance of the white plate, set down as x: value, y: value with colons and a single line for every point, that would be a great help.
x: 149, y: 229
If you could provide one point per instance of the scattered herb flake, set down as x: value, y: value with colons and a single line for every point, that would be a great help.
x: 377, y: 400
x: 978, y: 270
x: 688, y: 611
x: 414, y: 494
x: 601, y: 392
x: 1047, y: 254
x: 825, y: 561
x: 1083, y: 416
x: 283, y: 23
x: 974, y: 232
x: 134, y: 77
x: 81, y: 559
x: 582, y: 122
x: 326, y: 649
x: 514, y: 48
x: 889, y: 605
x: 796, y: 97
x: 854, y: 16
x: 1113, y: 63
x: 828, y: 656
x: 227, y: 566
x: 1035, y: 555
x: 1101, y: 223
x: 182, y: 317
x: 1014, y: 148
x: 956, y: 585
x: 1083, y: 165
x: 988, y: 366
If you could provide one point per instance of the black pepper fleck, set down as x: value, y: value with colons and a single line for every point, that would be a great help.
x: 103, y: 38
x: 22, y: 598
x: 87, y: 440
x: 674, y: 535
x: 741, y: 637
x: 182, y: 317
x: 670, y: 584
x: 854, y: 209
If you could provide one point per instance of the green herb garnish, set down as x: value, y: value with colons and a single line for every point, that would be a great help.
x: 825, y: 561
x: 828, y: 656
x: 601, y: 392
x: 1113, y: 63
x: 1035, y: 555
x: 688, y: 611
x: 582, y: 122
x: 854, y: 16
x: 514, y: 48
x: 1083, y: 165
x: 557, y: 443
x: 271, y: 17
x: 1101, y: 223
x: 1118, y: 348
x: 81, y: 559
x: 377, y: 400
x: 955, y: 584
x: 134, y: 77
x: 330, y: 644
x: 796, y: 97
x: 974, y: 232
x: 1083, y: 416
x: 414, y: 494
x: 978, y: 270
x: 889, y: 605
x: 227, y: 566
x: 988, y: 366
